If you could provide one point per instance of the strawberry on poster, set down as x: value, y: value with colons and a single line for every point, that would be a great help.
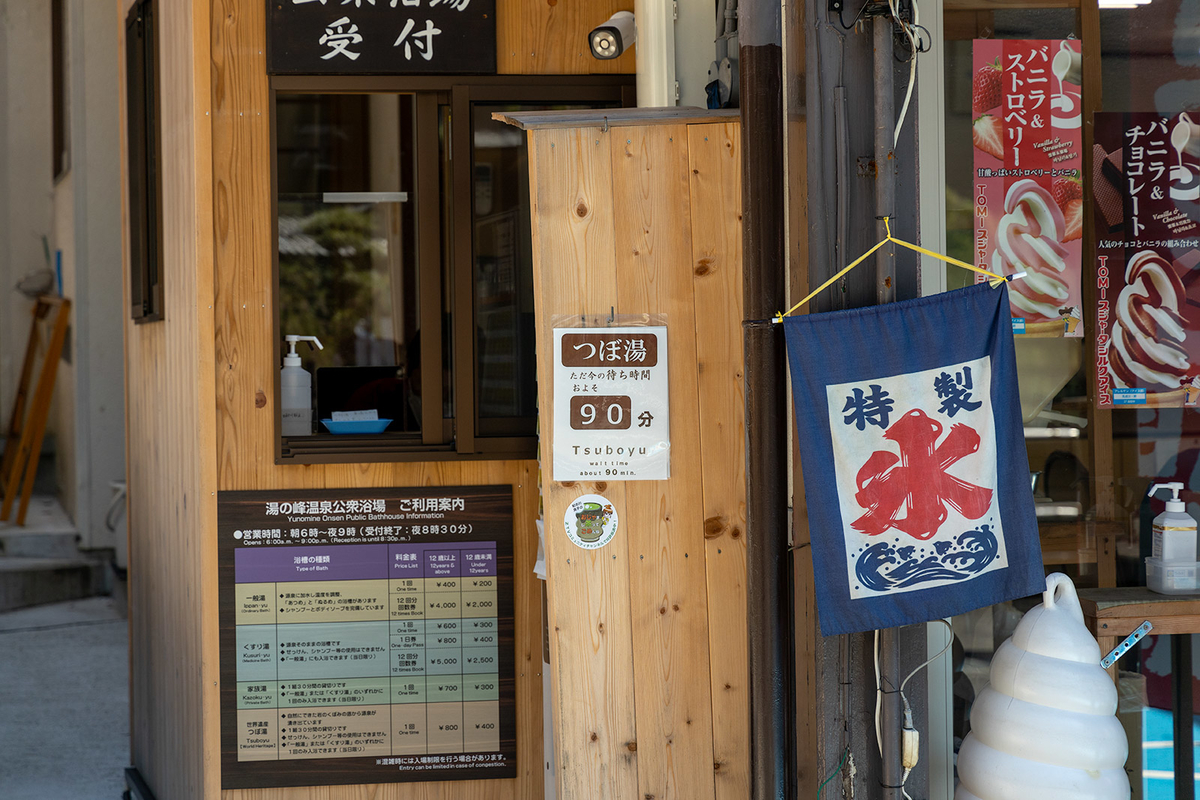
x: 1146, y: 199
x: 1028, y: 195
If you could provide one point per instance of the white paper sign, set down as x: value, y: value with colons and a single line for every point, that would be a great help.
x: 611, y: 404
x: 355, y: 416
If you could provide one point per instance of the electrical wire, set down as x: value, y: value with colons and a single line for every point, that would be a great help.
x: 903, y: 699
x: 878, y: 696
x: 857, y: 16
x: 833, y: 774
x: 912, y: 68
x: 940, y: 653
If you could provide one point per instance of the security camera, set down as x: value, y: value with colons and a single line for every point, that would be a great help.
x: 613, y: 37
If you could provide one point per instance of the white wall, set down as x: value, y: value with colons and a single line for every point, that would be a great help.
x: 81, y: 215
x: 98, y: 357
x: 25, y: 165
x: 695, y: 49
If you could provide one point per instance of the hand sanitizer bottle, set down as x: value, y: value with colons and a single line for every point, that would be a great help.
x: 1174, y: 530
x: 295, y: 389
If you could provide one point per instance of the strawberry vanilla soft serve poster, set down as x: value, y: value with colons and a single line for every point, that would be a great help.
x: 1028, y: 196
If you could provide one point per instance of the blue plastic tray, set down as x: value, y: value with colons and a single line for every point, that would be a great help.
x: 356, y: 426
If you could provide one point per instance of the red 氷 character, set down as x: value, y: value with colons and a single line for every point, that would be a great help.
x: 916, y: 481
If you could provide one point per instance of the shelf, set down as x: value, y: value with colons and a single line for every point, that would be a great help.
x: 1118, y: 612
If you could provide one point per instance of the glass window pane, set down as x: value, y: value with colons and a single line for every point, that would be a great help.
x: 1149, y: 56
x: 503, y: 275
x: 505, y: 355
x: 347, y: 249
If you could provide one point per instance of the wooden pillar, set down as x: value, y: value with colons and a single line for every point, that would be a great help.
x: 639, y: 212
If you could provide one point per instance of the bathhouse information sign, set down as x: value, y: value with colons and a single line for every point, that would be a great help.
x: 381, y: 37
x: 611, y: 405
x: 366, y: 636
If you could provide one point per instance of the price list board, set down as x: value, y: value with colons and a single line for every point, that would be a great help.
x: 366, y: 636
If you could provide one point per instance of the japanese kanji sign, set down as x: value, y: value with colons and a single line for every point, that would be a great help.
x: 611, y: 409
x: 915, y: 472
x: 366, y: 635
x: 1028, y: 191
x: 1146, y: 193
x: 381, y: 37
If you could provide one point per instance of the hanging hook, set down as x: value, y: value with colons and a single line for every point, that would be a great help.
x: 612, y: 314
x: 605, y: 128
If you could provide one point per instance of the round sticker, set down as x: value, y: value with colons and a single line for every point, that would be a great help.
x: 591, y: 521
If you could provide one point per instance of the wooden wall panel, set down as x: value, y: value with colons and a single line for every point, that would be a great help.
x: 544, y: 37
x: 201, y: 405
x: 574, y: 271
x: 246, y: 361
x: 243, y: 248
x: 648, y: 633
x: 715, y: 169
x: 664, y: 520
x: 171, y: 465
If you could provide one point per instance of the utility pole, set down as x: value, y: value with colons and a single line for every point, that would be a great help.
x: 858, y: 173
x: 768, y: 603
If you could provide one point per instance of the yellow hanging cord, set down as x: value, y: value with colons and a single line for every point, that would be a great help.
x: 996, y: 279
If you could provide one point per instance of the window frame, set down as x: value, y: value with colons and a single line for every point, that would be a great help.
x: 441, y: 438
x: 143, y: 148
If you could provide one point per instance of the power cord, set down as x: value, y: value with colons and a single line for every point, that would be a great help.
x: 910, y: 736
x: 915, y: 48
x: 912, y: 65
x: 832, y: 775
x: 857, y: 16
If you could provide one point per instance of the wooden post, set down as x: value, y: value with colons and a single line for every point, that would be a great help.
x: 638, y: 211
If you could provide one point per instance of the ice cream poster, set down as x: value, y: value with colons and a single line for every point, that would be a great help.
x: 1146, y: 197
x: 1028, y: 196
x: 915, y: 473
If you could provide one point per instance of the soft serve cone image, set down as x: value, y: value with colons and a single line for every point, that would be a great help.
x: 1045, y: 727
x: 1191, y: 390
x: 1071, y: 316
x: 1029, y: 239
x: 1147, y: 344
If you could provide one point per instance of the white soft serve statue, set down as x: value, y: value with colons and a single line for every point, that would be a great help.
x: 1045, y: 727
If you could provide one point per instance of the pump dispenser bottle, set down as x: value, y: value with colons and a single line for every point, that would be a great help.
x: 295, y: 389
x: 1172, y: 569
x: 1174, y: 530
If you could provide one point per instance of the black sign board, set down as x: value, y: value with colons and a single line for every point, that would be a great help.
x: 381, y: 37
x: 366, y: 636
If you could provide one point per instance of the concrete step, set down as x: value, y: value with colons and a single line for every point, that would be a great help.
x: 33, y: 581
x: 17, y: 543
x: 47, y: 532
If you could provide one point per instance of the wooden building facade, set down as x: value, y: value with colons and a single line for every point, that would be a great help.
x: 648, y: 645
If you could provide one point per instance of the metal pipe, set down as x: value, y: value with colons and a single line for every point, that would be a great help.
x: 655, y: 22
x: 1181, y: 715
x: 891, y: 722
x: 842, y: 158
x: 885, y: 156
x: 763, y: 220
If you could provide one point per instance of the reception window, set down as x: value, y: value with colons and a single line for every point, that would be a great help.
x: 403, y: 244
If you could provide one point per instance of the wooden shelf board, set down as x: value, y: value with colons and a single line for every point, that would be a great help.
x: 614, y: 117
x: 1118, y: 612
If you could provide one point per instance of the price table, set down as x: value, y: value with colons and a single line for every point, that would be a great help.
x: 382, y: 650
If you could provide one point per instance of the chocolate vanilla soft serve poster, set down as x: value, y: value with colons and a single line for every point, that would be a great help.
x: 1146, y: 192
x: 1028, y: 195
